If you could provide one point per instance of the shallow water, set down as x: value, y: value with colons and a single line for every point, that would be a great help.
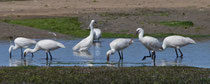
x: 196, y: 55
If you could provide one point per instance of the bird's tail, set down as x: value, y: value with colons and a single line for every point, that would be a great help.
x: 60, y: 45
x: 191, y: 40
x: 75, y: 47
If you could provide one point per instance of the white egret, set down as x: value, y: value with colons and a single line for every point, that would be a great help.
x: 151, y: 43
x: 118, y: 45
x: 177, y: 42
x: 47, y: 45
x: 21, y: 42
x: 86, y: 43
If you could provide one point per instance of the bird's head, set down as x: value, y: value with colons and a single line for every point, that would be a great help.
x: 131, y: 41
x: 161, y: 49
x: 91, y: 23
x: 26, y: 51
x: 139, y: 30
x: 108, y: 53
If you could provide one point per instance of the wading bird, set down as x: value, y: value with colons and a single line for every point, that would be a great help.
x: 118, y: 45
x: 177, y: 42
x: 97, y: 34
x: 151, y: 43
x: 21, y: 42
x: 46, y: 45
x: 86, y: 43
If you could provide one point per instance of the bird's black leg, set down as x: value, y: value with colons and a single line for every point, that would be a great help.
x: 21, y: 52
x: 145, y: 57
x: 10, y: 55
x: 50, y: 55
x: 122, y: 54
x: 32, y: 55
x: 154, y: 57
x: 150, y: 55
x: 176, y: 53
x: 119, y: 54
x: 46, y: 56
x: 180, y: 53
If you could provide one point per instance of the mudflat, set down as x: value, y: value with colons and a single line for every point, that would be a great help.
x: 116, y: 16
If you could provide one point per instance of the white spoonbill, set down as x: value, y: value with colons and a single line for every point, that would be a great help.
x: 177, y: 42
x: 47, y: 45
x: 21, y: 42
x: 151, y: 43
x: 118, y: 45
x: 86, y: 43
x: 97, y: 34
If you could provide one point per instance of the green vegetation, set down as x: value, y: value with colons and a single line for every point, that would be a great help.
x: 177, y: 23
x: 105, y: 75
x: 71, y: 26
x: 155, y: 13
x: 94, y: 0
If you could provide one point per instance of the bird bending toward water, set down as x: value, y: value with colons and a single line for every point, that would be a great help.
x: 118, y: 45
x: 21, y: 42
x: 47, y: 45
x: 177, y: 42
x: 86, y: 43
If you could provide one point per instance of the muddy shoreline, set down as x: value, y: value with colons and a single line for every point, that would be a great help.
x: 115, y: 17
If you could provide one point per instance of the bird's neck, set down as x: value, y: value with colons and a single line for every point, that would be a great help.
x: 113, y: 50
x: 33, y: 50
x: 141, y: 34
x: 91, y: 30
x: 164, y: 46
x: 10, y: 48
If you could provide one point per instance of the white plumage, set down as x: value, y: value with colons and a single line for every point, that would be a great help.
x: 21, y: 42
x: 97, y: 34
x: 86, y: 43
x: 47, y: 45
x: 118, y: 45
x: 177, y: 42
x: 151, y: 43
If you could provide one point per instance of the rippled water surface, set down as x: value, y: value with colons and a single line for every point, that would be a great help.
x: 197, y: 55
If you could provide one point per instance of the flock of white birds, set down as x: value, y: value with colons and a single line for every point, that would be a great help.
x: 119, y: 44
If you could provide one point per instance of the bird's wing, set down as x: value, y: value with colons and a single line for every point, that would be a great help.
x: 83, y: 43
x: 120, y: 43
x: 151, y: 43
x: 24, y: 42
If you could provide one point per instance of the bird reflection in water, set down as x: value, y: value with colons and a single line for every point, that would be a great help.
x: 176, y: 62
x: 48, y: 62
x: 85, y: 54
x: 97, y: 48
x: 20, y: 62
x: 82, y: 53
x: 97, y: 44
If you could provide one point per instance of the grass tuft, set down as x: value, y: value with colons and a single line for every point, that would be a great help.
x: 177, y: 23
x: 105, y: 75
x: 71, y: 26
